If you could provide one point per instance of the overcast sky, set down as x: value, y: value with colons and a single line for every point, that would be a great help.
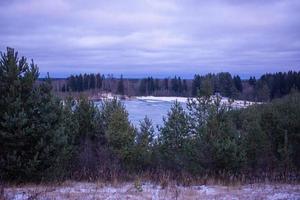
x: 154, y: 37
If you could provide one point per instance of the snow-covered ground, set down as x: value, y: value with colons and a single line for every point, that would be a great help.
x: 83, y: 190
x: 224, y: 100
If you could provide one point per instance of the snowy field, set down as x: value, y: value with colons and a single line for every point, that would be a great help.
x: 81, y: 190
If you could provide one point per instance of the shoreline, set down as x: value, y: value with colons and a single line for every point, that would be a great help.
x: 235, y: 103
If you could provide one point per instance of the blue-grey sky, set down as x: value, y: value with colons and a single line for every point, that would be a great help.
x: 154, y: 37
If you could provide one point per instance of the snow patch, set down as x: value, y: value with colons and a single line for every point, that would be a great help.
x: 82, y: 190
x: 208, y: 190
x: 279, y: 196
x: 17, y: 196
x: 224, y: 100
x: 157, y: 99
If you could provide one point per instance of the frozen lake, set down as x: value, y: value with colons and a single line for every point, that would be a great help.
x: 155, y: 110
x: 157, y: 107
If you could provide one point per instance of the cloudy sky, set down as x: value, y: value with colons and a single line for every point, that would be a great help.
x: 154, y: 37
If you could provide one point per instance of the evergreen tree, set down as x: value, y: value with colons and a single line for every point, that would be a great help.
x: 98, y: 81
x: 173, y: 138
x: 175, y: 85
x: 226, y: 84
x: 166, y: 83
x: 252, y: 80
x: 206, y: 87
x: 185, y: 88
x: 80, y: 83
x: 196, y: 85
x: 33, y: 143
x: 144, y: 144
x: 119, y: 132
x: 92, y: 81
x: 180, y: 88
x: 238, y: 83
x: 143, y: 87
x: 156, y: 83
x: 214, y: 134
x: 120, y: 89
x: 88, y: 138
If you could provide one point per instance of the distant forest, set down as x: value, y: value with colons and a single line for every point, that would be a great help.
x: 267, y: 87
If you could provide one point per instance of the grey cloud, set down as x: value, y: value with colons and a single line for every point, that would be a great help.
x: 154, y: 36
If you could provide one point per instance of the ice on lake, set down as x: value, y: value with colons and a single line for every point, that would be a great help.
x: 154, y: 110
x: 157, y: 107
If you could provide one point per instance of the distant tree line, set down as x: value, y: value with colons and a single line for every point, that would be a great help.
x: 45, y: 138
x: 276, y: 85
x: 171, y: 86
x: 266, y: 88
x: 145, y: 86
x: 79, y: 83
x: 222, y: 83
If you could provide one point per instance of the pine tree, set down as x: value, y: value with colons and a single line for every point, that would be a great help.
x: 173, y: 138
x: 144, y: 144
x: 119, y: 132
x: 88, y: 138
x: 32, y: 140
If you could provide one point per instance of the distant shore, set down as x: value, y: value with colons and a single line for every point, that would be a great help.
x: 224, y: 100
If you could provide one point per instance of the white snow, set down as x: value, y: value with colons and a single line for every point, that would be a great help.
x: 278, y: 196
x: 207, y: 190
x: 87, y: 190
x: 168, y: 99
x: 224, y: 100
x: 20, y: 196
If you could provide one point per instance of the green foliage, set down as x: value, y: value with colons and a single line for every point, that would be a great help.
x: 173, y: 138
x: 215, y: 135
x: 144, y: 145
x: 79, y: 83
x: 120, y: 134
x: 270, y: 134
x: 32, y: 139
x: 209, y: 84
x: 88, y: 136
x: 44, y: 138
x: 238, y: 83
